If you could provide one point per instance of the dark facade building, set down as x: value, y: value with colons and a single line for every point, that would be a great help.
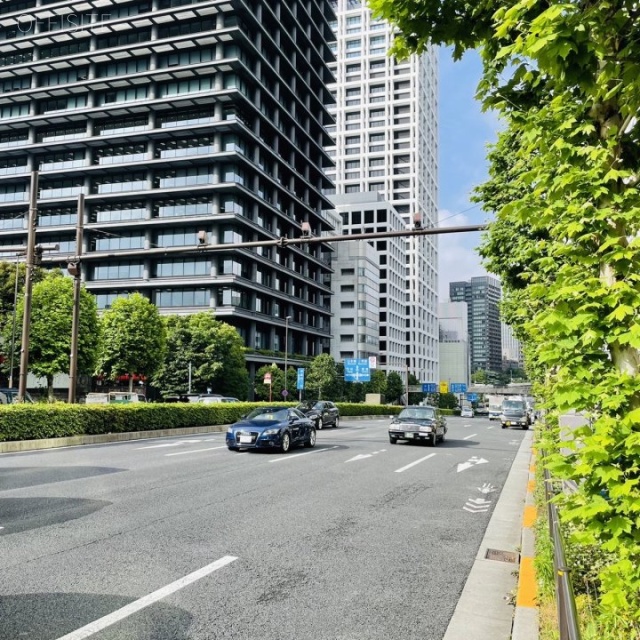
x: 175, y: 117
x: 482, y: 296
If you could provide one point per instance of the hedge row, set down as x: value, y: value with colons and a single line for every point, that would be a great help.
x: 30, y: 422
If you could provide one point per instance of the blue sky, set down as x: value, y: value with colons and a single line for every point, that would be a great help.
x: 464, y: 132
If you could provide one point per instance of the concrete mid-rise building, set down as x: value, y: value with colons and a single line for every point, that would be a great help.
x: 454, y: 342
x: 369, y: 212
x: 512, y: 357
x: 482, y: 295
x: 386, y: 142
x: 176, y: 117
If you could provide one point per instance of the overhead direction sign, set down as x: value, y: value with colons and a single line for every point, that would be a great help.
x: 357, y: 370
x: 429, y: 387
x: 457, y: 387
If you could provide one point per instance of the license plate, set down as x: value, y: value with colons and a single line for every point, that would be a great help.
x: 408, y: 435
x: 246, y: 439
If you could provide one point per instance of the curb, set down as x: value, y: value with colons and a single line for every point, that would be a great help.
x: 485, y: 610
x: 525, y: 621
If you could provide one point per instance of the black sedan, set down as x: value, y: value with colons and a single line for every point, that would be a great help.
x: 418, y: 424
x: 322, y: 413
x: 271, y: 428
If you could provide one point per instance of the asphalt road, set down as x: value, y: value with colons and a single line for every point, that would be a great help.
x: 356, y: 539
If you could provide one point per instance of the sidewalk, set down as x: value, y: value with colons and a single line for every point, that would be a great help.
x: 485, y: 609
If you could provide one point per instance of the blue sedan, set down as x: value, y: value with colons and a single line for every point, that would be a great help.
x: 272, y: 428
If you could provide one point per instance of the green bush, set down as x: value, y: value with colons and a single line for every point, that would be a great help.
x: 35, y: 421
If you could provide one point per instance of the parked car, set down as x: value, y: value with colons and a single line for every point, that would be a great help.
x: 466, y: 412
x: 322, y: 413
x: 514, y: 414
x: 274, y: 427
x: 418, y: 424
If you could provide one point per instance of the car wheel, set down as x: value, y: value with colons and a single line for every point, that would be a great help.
x: 442, y: 437
x: 319, y: 424
x: 393, y: 440
x: 434, y: 440
x: 336, y: 424
x: 312, y: 439
x: 526, y: 427
x: 504, y: 426
x: 285, y: 443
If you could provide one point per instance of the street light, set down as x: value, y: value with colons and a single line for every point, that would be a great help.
x: 286, y: 352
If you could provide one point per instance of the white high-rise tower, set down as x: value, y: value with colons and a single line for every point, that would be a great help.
x: 386, y: 141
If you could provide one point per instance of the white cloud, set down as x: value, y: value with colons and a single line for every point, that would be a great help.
x: 457, y: 255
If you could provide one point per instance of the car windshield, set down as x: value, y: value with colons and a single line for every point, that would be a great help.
x: 269, y: 414
x: 513, y: 405
x: 306, y: 406
x: 419, y: 413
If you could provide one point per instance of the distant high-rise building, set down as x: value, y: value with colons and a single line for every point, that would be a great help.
x: 359, y: 212
x: 482, y: 295
x: 386, y: 142
x: 511, y: 349
x: 454, y: 342
x: 176, y: 117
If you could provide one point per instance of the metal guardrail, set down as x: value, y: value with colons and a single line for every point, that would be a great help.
x: 565, y: 599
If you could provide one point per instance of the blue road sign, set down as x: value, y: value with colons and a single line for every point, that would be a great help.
x: 429, y: 387
x: 458, y: 387
x: 300, y: 380
x: 472, y: 397
x: 357, y: 370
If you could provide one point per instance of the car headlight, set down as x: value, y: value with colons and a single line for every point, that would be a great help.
x: 427, y: 428
x: 270, y: 432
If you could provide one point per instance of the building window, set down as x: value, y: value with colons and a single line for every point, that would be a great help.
x: 183, y: 298
x: 117, y: 271
x: 181, y: 267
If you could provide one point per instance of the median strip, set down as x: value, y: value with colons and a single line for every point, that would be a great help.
x: 110, y: 619
x: 413, y: 464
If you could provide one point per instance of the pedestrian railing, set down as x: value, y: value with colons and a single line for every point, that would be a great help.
x: 565, y: 599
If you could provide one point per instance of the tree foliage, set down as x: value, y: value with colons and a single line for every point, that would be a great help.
x: 133, y: 339
x: 215, y: 351
x: 322, y: 377
x: 565, y: 78
x: 50, y: 334
x: 395, y: 387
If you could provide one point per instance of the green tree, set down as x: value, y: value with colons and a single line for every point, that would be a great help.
x: 565, y: 78
x: 378, y: 383
x: 415, y: 397
x: 395, y: 387
x: 50, y: 333
x: 447, y: 400
x: 264, y: 391
x: 133, y: 339
x: 215, y: 351
x: 480, y: 377
x: 322, y: 377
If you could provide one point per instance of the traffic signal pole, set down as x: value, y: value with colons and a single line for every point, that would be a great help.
x: 75, y: 270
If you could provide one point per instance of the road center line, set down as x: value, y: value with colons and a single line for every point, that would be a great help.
x: 297, y: 455
x: 401, y: 469
x: 183, y: 453
x: 471, y: 436
x: 106, y: 621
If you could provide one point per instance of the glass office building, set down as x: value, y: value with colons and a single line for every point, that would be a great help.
x: 175, y: 117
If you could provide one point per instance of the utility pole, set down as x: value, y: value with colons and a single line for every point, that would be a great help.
x: 28, y: 285
x: 75, y: 270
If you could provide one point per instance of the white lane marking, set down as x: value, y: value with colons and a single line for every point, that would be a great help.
x: 167, y: 444
x: 489, y: 427
x: 470, y: 463
x: 467, y: 425
x: 184, y: 453
x: 106, y: 621
x: 401, y: 469
x: 360, y: 456
x: 297, y: 455
x: 471, y: 436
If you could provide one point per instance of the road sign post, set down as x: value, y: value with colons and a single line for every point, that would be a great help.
x: 357, y: 370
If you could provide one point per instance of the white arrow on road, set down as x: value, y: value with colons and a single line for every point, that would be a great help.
x: 487, y: 488
x: 470, y: 463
